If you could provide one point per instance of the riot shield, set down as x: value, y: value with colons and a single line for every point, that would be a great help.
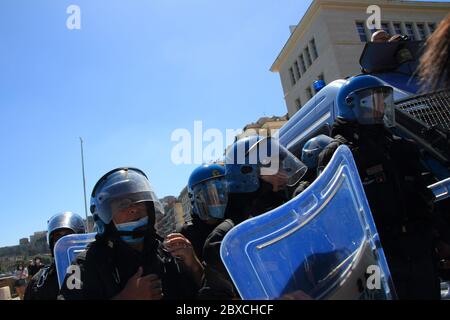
x: 66, y: 250
x: 323, y: 244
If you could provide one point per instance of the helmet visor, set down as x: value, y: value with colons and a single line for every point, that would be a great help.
x: 112, y: 206
x: 279, y: 162
x: 210, y: 198
x: 121, y: 190
x: 374, y: 103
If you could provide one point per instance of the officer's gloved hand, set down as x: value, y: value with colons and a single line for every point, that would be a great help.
x: 148, y: 287
x: 181, y: 248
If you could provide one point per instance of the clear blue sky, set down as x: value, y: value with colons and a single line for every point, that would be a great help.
x: 136, y: 71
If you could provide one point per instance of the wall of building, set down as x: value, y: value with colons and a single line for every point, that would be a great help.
x: 185, y: 204
x: 325, y: 64
x: 332, y: 24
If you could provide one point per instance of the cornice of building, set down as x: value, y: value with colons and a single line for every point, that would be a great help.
x: 305, y: 21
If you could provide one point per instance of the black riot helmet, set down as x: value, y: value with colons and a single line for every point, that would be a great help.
x: 64, y: 220
x: 121, y: 188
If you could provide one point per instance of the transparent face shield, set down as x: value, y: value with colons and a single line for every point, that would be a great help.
x: 126, y: 209
x: 210, y: 198
x: 374, y: 104
x: 278, y: 165
x: 120, y: 191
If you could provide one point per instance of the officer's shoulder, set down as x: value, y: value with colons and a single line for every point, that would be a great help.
x: 96, y: 251
x: 219, y: 232
x: 225, y: 226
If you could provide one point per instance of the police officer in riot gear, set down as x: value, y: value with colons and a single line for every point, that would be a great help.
x: 44, y: 284
x: 392, y: 175
x: 208, y: 192
x: 260, y: 175
x: 209, y: 197
x: 311, y: 150
x: 310, y: 155
x: 128, y: 260
x: 263, y: 171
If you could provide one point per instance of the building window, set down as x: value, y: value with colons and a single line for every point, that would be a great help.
x: 309, y: 93
x: 397, y: 28
x: 297, y: 70
x: 302, y: 63
x: 361, y: 31
x: 308, y: 57
x: 291, y: 72
x: 432, y: 27
x: 410, y: 31
x: 421, y: 31
x: 385, y: 27
x: 314, y: 52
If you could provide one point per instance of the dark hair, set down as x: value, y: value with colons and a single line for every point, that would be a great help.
x: 435, y: 62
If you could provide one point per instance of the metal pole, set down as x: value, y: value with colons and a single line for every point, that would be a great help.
x: 84, y: 186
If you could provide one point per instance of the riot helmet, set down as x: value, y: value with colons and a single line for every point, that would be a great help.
x: 60, y: 222
x: 208, y: 191
x: 367, y: 100
x: 312, y: 148
x: 254, y: 158
x: 124, y: 203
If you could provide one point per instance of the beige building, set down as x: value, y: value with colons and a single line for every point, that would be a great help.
x: 173, y: 219
x: 37, y: 236
x: 186, y: 206
x: 265, y: 126
x: 180, y: 219
x: 328, y: 41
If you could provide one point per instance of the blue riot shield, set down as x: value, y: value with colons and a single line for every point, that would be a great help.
x: 323, y: 244
x: 66, y: 250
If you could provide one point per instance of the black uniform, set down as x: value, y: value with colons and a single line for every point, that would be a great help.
x: 391, y: 172
x: 196, y: 233
x: 108, y: 264
x: 43, y: 285
x: 33, y: 269
x: 267, y: 200
x: 217, y: 284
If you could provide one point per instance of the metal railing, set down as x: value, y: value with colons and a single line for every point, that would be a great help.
x: 431, y: 109
x: 426, y: 119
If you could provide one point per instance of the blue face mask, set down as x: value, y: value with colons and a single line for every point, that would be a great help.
x: 131, y: 226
